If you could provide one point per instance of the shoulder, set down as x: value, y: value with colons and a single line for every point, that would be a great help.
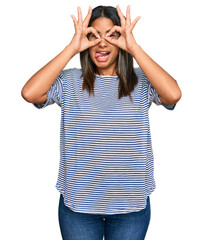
x: 138, y: 71
x: 140, y: 74
x: 71, y: 72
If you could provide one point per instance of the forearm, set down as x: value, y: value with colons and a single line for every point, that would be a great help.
x: 164, y: 84
x: 41, y: 81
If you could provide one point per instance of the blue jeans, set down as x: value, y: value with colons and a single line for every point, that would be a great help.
x: 84, y: 226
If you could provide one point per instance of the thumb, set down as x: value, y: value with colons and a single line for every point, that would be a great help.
x: 112, y: 41
x: 95, y: 42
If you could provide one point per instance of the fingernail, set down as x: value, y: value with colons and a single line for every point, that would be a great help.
x: 107, y: 35
x: 98, y: 36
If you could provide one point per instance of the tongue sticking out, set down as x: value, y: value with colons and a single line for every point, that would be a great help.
x: 101, y: 54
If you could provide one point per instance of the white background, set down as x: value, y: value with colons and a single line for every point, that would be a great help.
x: 34, y: 32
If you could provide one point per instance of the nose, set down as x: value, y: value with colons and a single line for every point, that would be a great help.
x: 103, y: 42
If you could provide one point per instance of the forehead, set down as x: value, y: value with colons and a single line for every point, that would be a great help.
x: 102, y: 24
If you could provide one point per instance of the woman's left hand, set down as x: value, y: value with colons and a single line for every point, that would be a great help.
x: 126, y: 41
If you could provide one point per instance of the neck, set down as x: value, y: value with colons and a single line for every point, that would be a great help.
x: 109, y: 72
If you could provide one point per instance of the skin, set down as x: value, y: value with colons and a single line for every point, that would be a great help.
x: 35, y: 89
x: 126, y: 41
x: 80, y: 41
x: 165, y: 85
x: 102, y: 25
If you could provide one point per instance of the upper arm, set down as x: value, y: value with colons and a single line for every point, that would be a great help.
x: 41, y: 100
x: 165, y: 102
x: 54, y: 94
x: 153, y: 95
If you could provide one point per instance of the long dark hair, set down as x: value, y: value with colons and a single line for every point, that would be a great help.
x: 124, y: 67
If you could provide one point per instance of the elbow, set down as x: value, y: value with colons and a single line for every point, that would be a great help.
x: 24, y: 93
x: 175, y: 97
x: 26, y: 96
x: 176, y: 94
x: 171, y: 99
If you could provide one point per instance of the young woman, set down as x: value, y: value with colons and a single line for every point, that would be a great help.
x: 106, y: 160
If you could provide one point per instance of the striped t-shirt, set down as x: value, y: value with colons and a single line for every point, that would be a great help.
x: 106, y: 157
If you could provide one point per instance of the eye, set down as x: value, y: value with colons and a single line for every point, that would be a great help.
x: 114, y: 35
x: 91, y: 37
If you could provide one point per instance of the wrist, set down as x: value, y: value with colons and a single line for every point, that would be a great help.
x: 135, y: 50
x: 70, y: 50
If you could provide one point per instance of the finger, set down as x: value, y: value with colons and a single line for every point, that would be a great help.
x: 128, y: 19
x: 111, y: 41
x: 95, y: 42
x: 74, y: 21
x: 87, y: 19
x: 121, y: 16
x: 79, y: 15
x: 115, y: 28
x: 134, y: 23
x: 92, y: 30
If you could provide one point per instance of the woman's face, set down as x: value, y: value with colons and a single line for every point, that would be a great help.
x: 104, y: 55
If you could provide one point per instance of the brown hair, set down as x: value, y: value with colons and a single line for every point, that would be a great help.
x: 124, y: 67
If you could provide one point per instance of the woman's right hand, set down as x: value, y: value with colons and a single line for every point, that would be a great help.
x: 80, y: 41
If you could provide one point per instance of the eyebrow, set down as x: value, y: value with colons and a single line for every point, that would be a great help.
x: 106, y: 31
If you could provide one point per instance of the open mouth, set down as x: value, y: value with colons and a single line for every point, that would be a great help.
x: 102, y: 55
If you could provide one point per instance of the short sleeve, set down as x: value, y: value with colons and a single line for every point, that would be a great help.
x: 153, y: 95
x: 54, y: 95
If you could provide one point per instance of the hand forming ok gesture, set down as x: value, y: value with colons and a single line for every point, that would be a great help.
x: 80, y: 41
x: 126, y: 41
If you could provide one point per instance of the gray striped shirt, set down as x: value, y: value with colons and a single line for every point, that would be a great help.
x: 106, y: 156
